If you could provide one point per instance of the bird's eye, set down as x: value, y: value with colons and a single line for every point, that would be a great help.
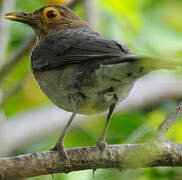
x: 51, y: 14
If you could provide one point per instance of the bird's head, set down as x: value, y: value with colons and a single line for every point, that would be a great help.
x: 48, y: 19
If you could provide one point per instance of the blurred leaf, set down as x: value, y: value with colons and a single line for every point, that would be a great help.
x: 124, y: 8
x: 171, y: 13
x: 154, y: 118
x: 29, y: 5
x: 61, y: 2
x: 32, y: 92
x: 175, y: 133
x: 78, y: 137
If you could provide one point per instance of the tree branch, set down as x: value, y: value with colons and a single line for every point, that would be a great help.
x: 167, y: 123
x: 18, y: 54
x: 91, y: 13
x: 74, y: 3
x: 7, y: 5
x: 123, y: 157
x: 13, y: 90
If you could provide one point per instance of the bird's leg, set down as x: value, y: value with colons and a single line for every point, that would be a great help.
x: 59, y: 146
x: 101, y: 142
x: 60, y: 143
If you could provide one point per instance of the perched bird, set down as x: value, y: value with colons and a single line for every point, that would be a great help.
x: 80, y: 70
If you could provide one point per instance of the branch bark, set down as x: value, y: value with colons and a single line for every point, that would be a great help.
x: 122, y: 157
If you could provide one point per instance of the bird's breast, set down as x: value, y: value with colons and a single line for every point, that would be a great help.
x: 95, y: 90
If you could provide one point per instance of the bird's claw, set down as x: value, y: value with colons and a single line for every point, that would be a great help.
x: 61, y: 150
x: 101, y: 144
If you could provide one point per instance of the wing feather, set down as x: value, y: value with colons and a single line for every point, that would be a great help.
x: 75, y: 46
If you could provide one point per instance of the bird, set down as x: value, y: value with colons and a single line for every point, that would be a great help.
x: 80, y: 70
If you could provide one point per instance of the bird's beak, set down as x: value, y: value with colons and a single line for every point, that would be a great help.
x: 19, y: 16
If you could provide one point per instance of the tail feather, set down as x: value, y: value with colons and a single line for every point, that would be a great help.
x: 152, y: 63
x: 135, y: 67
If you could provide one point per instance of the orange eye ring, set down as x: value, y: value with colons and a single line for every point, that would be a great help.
x: 51, y: 14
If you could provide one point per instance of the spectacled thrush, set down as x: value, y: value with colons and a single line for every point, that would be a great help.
x: 80, y: 70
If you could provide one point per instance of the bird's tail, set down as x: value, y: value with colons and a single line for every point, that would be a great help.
x: 152, y: 63
x: 137, y: 66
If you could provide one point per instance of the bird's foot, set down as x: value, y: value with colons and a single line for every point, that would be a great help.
x: 159, y: 138
x: 101, y: 144
x: 60, y: 148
